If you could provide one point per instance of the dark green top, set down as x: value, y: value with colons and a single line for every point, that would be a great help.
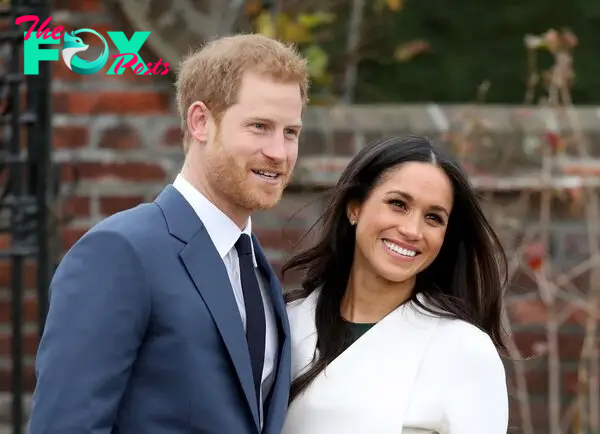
x: 357, y: 330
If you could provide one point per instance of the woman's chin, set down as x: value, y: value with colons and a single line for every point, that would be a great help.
x: 397, y: 276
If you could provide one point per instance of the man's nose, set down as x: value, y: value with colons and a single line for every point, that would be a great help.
x: 276, y: 148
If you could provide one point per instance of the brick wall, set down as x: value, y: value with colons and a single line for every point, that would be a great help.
x: 117, y: 141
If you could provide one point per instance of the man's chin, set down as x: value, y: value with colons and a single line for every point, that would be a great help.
x: 264, y: 202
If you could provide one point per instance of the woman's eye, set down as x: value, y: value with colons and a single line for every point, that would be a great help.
x: 435, y: 218
x: 398, y: 204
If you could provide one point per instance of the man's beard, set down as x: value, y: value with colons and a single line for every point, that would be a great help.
x: 231, y: 181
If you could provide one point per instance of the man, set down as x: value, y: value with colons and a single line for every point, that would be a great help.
x: 167, y: 318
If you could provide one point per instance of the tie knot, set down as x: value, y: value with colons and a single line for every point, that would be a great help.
x: 244, y: 245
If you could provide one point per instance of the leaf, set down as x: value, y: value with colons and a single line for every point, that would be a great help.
x: 395, y: 5
x: 323, y: 100
x: 380, y: 6
x: 325, y: 79
x: 551, y: 41
x: 317, y: 60
x: 316, y: 19
x: 252, y: 7
x: 556, y: 142
x: 535, y: 254
x: 265, y: 25
x: 570, y: 39
x: 577, y: 195
x: 533, y: 42
x: 409, y: 50
x: 292, y: 31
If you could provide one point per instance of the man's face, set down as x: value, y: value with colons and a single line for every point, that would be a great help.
x: 250, y: 159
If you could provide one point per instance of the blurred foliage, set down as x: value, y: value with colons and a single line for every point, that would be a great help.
x: 301, y: 29
x: 474, y: 42
x: 314, y: 28
x: 453, y: 46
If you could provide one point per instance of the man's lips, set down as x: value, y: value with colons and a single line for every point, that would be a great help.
x: 267, y: 173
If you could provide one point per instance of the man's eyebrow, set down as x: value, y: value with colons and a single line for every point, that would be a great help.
x: 297, y: 125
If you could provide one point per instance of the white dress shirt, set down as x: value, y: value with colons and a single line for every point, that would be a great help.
x: 224, y: 233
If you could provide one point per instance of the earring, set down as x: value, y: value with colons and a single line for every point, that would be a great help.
x: 352, y: 222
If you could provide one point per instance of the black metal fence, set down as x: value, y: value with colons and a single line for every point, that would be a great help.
x: 26, y: 185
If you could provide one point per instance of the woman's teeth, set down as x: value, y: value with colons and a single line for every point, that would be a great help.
x: 400, y: 250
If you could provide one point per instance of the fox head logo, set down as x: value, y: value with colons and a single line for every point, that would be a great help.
x: 73, y: 45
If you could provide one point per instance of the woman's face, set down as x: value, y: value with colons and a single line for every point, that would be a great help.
x: 401, y: 225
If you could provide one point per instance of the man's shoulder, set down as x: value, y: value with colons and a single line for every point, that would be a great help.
x: 142, y: 214
x: 134, y: 224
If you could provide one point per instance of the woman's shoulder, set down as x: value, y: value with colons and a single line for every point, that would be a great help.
x: 457, y: 335
x: 461, y: 340
x: 458, y: 329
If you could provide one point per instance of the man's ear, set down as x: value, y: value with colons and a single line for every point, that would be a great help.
x: 198, y: 117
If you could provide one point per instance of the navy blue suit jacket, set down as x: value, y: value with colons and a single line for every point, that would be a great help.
x: 144, y: 336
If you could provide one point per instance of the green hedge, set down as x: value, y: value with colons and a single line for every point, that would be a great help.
x: 472, y: 41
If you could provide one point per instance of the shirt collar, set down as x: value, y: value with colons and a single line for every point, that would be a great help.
x: 223, y: 232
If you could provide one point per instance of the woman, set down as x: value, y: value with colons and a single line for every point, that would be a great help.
x: 397, y: 326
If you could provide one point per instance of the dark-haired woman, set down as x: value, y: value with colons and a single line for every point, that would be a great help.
x: 397, y: 327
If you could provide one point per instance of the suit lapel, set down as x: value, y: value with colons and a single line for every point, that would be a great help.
x: 281, y: 384
x: 208, y: 272
x: 274, y: 287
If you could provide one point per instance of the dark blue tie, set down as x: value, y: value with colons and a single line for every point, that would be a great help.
x: 255, y: 313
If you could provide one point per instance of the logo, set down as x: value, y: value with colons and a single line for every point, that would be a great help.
x: 177, y: 24
x: 128, y: 56
x: 74, y: 45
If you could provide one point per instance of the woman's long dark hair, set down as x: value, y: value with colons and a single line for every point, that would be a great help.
x: 465, y: 281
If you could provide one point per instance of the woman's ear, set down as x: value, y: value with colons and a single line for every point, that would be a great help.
x: 353, y: 211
